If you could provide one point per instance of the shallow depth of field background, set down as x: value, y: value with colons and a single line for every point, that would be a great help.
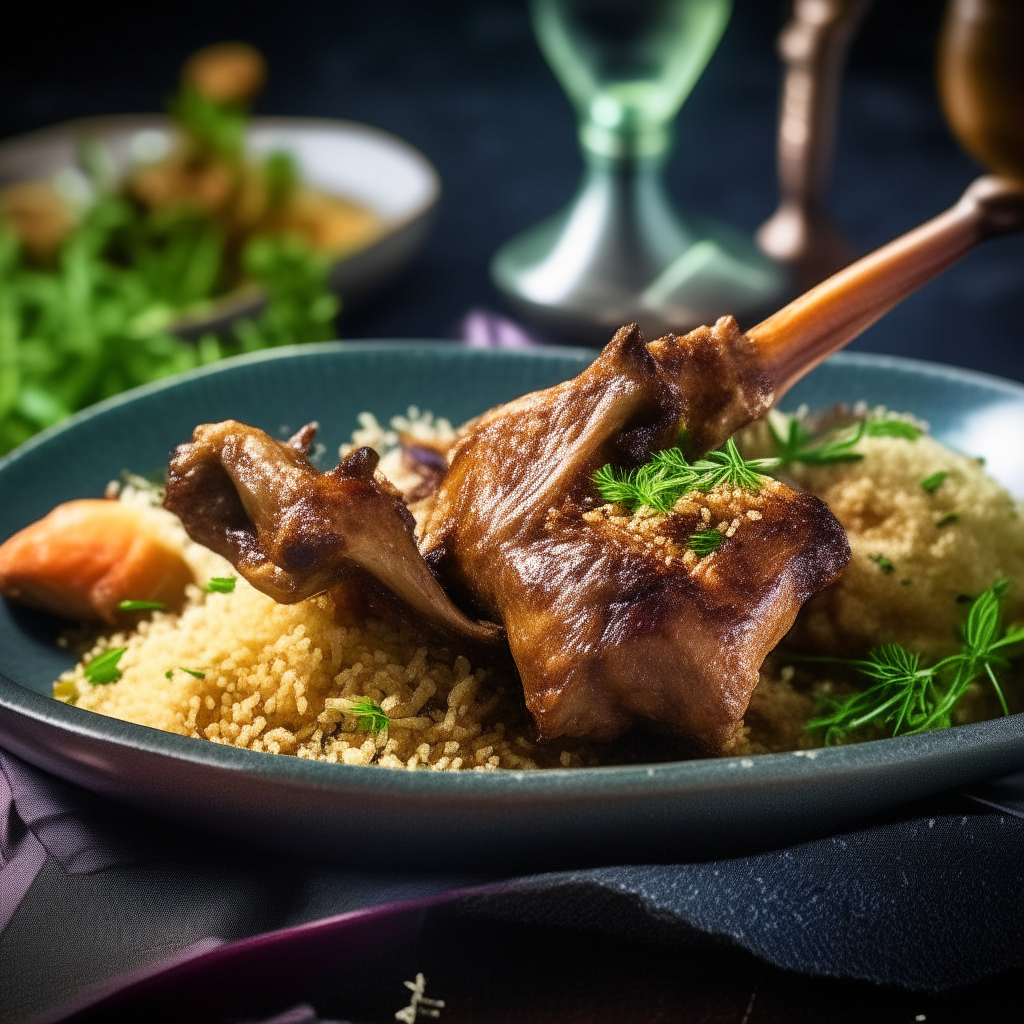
x: 464, y: 81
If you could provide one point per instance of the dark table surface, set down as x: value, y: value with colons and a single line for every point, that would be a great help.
x: 463, y: 80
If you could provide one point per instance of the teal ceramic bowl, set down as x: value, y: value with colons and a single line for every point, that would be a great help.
x: 509, y: 819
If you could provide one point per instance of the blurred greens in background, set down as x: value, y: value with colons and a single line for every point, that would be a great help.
x: 99, y: 321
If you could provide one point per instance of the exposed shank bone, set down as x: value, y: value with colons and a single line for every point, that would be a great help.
x: 605, y: 627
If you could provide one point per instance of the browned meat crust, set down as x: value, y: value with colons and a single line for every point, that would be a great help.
x: 605, y: 624
x: 717, y: 370
x: 293, y: 531
x: 610, y: 617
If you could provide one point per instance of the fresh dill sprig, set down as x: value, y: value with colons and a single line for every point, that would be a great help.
x: 906, y: 698
x: 368, y: 714
x: 703, y: 542
x: 220, y: 585
x: 103, y: 668
x: 660, y: 483
x: 883, y: 563
x: 793, y: 442
x: 141, y: 606
x: 931, y: 484
x: 902, y: 693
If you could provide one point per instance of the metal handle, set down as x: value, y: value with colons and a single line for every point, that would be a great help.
x: 813, y: 46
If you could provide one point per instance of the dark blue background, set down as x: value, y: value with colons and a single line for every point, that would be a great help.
x: 465, y: 82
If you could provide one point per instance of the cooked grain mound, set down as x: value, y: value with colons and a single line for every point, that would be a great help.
x: 918, y: 556
x: 277, y: 678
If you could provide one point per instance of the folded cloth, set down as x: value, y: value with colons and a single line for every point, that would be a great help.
x: 927, y: 901
x: 22, y: 855
x: 81, y: 831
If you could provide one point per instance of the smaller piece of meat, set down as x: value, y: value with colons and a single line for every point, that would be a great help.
x: 294, y: 532
x: 85, y: 557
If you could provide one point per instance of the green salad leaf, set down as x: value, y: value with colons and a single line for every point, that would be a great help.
x: 99, y: 321
x: 103, y: 668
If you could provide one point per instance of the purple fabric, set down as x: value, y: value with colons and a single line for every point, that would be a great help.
x: 483, y: 329
x: 41, y: 815
x: 277, y: 957
x: 22, y: 855
x: 302, y: 1014
x: 79, y: 830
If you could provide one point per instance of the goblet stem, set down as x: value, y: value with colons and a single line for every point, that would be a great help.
x: 621, y: 251
x: 813, y: 46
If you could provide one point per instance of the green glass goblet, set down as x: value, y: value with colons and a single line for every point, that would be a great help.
x: 621, y: 250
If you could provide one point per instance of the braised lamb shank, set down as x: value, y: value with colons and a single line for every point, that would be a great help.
x: 610, y: 616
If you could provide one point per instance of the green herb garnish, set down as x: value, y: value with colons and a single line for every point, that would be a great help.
x: 660, y: 483
x: 892, y: 428
x: 794, y: 443
x: 141, y: 606
x: 907, y: 698
x: 882, y: 562
x: 220, y: 585
x: 703, y: 542
x: 191, y: 671
x: 949, y: 517
x: 932, y: 483
x: 103, y: 668
x: 369, y: 715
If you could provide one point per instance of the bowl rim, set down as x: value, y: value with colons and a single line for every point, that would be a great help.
x: 153, y: 119
x: 708, y: 776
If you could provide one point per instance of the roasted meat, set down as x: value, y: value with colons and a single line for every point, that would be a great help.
x: 293, y: 531
x: 612, y: 617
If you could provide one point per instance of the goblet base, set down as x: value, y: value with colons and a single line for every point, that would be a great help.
x: 621, y: 252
